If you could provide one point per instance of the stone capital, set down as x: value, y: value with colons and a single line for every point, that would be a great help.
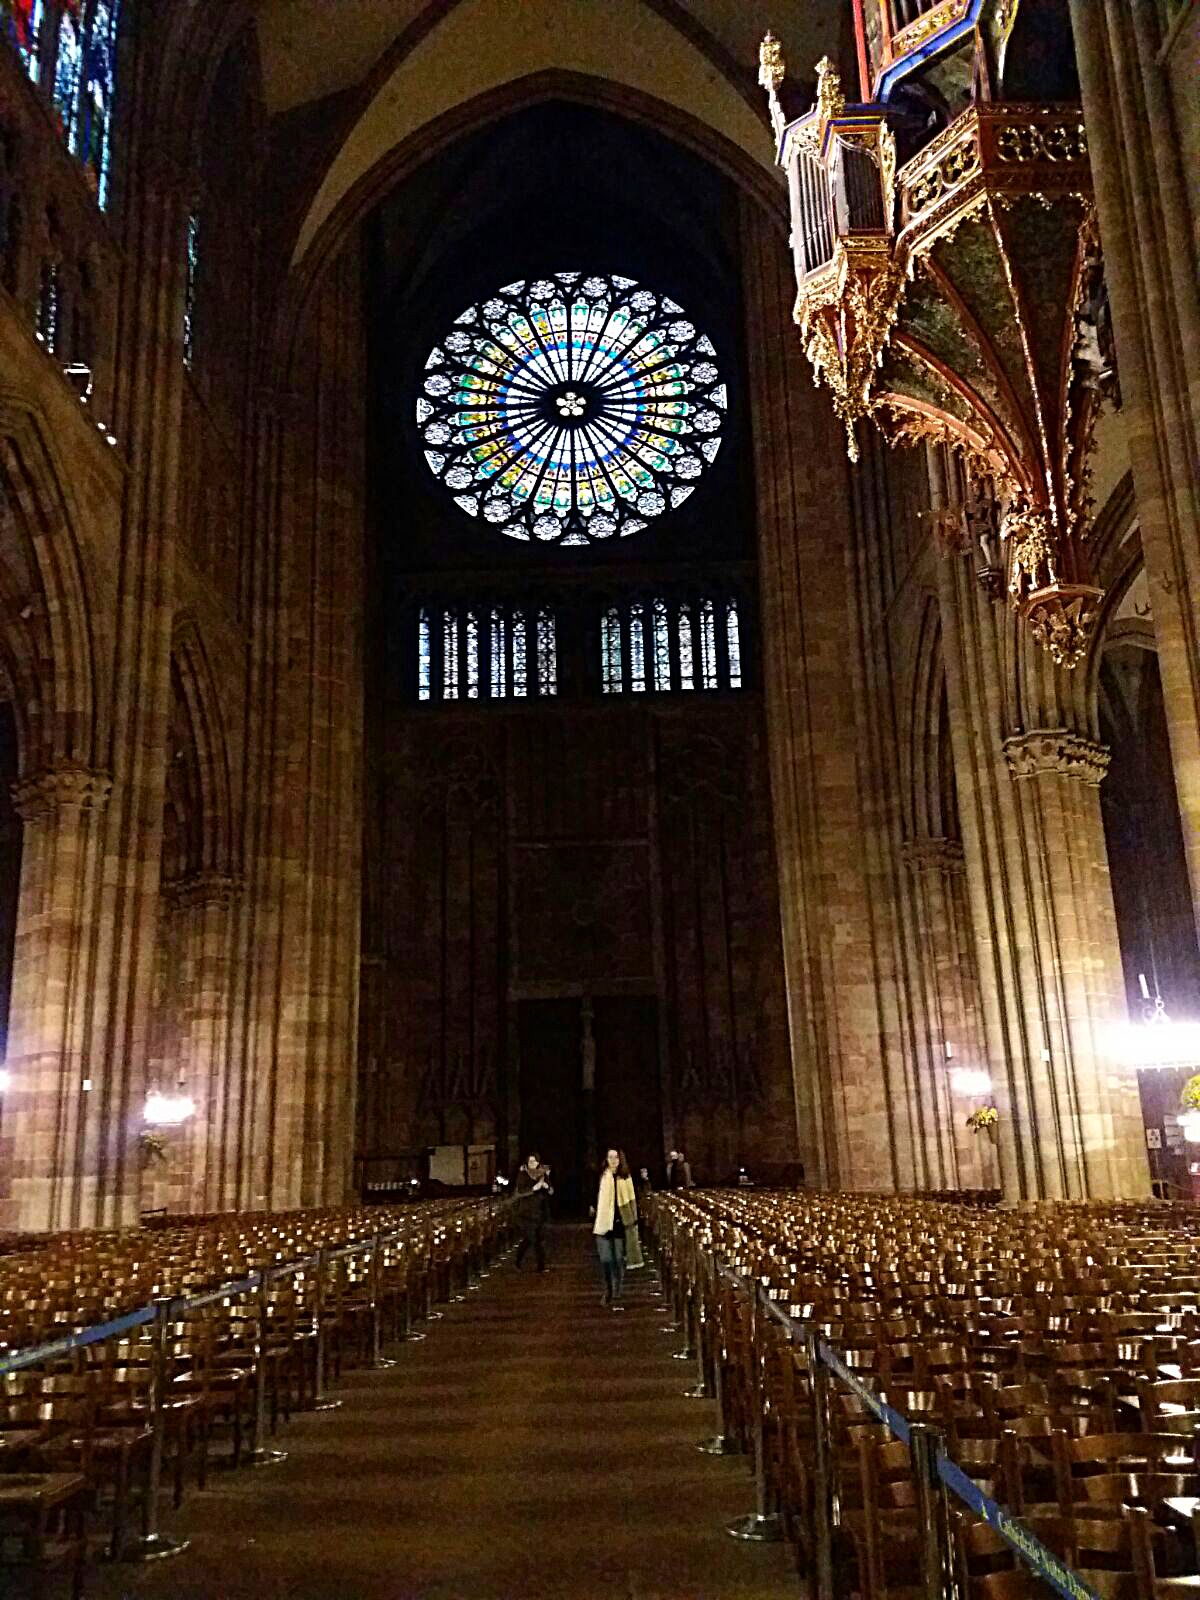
x: 1056, y: 751
x: 933, y: 855
x: 60, y: 789
x: 200, y: 889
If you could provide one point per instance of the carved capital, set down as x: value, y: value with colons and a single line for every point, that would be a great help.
x: 933, y: 855
x: 1056, y: 750
x: 201, y: 889
x: 60, y: 789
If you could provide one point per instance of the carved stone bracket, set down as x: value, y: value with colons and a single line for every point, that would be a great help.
x: 1056, y: 750
x: 933, y: 855
x: 60, y: 789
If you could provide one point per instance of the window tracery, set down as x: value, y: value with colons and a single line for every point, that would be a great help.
x: 571, y: 408
x: 501, y: 652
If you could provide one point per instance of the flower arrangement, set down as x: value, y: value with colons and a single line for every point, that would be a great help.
x: 983, y: 1117
x: 1189, y: 1098
x: 153, y: 1146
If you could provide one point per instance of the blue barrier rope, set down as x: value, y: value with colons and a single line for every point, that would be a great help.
x: 75, y: 1341
x: 1041, y: 1561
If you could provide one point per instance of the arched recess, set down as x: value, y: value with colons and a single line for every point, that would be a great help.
x: 199, y: 757
x: 48, y: 638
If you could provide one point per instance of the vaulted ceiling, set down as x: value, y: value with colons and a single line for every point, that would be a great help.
x: 400, y: 65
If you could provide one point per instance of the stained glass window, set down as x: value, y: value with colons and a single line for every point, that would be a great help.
x: 571, y: 408
x: 21, y: 22
x: 520, y: 670
x: 686, y: 664
x: 47, y: 314
x: 498, y: 650
x: 189, y: 289
x: 708, y: 646
x: 733, y: 635
x: 662, y: 646
x: 547, y: 654
x: 472, y: 656
x: 450, y: 656
x: 610, y: 651
x: 93, y: 136
x: 424, y: 658
x: 68, y: 67
x: 637, y: 650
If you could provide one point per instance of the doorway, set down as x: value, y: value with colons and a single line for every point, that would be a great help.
x: 625, y: 1108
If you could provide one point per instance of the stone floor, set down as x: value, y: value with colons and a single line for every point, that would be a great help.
x: 534, y: 1445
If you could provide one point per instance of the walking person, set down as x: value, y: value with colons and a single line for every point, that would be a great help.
x: 531, y: 1211
x: 616, y: 1216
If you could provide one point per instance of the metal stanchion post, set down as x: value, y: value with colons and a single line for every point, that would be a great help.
x: 261, y: 1454
x: 412, y: 1335
x: 699, y: 1390
x: 153, y: 1545
x: 937, y: 1564
x: 379, y: 1362
x: 818, y: 1382
x: 762, y: 1526
x: 689, y: 1328
x: 431, y: 1314
x: 321, y: 1401
x: 721, y: 1443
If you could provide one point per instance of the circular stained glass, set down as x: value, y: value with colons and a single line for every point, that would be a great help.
x: 571, y: 408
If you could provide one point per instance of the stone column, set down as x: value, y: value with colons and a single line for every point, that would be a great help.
x: 53, y: 1103
x: 1135, y: 137
x: 1041, y: 902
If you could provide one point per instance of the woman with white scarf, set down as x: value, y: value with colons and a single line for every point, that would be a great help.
x: 616, y: 1211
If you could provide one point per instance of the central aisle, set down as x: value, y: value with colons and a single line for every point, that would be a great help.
x: 534, y: 1445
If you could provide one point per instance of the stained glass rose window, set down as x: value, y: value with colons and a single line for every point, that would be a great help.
x: 571, y: 408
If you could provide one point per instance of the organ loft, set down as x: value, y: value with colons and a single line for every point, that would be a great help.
x: 598, y: 647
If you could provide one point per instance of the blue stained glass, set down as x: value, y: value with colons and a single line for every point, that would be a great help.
x: 22, y: 24
x: 610, y: 652
x: 547, y: 654
x: 93, y: 136
x: 520, y: 656
x: 662, y: 646
x: 472, y: 656
x: 449, y: 656
x: 424, y: 658
x: 686, y: 667
x: 734, y: 638
x: 571, y: 408
x: 637, y: 650
x: 498, y: 652
x: 708, y: 645
x: 68, y: 70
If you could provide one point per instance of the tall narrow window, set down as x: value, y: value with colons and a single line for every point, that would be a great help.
x: 424, y: 658
x: 472, y: 662
x: 520, y: 656
x: 734, y: 638
x: 547, y: 654
x: 93, y: 134
x: 662, y: 646
x: 498, y: 652
x: 686, y: 654
x: 189, y: 289
x: 22, y: 24
x: 708, y: 645
x: 637, y: 650
x: 610, y: 651
x: 68, y: 68
x: 47, y: 313
x: 449, y: 655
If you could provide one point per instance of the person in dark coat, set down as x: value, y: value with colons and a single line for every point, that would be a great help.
x: 532, y: 1209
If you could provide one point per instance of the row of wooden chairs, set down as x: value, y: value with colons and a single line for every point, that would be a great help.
x: 216, y: 1377
x: 1053, y: 1352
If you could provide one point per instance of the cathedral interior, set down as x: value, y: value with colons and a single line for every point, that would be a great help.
x: 585, y: 577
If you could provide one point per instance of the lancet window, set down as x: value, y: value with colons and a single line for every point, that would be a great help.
x: 669, y: 644
x: 497, y: 652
